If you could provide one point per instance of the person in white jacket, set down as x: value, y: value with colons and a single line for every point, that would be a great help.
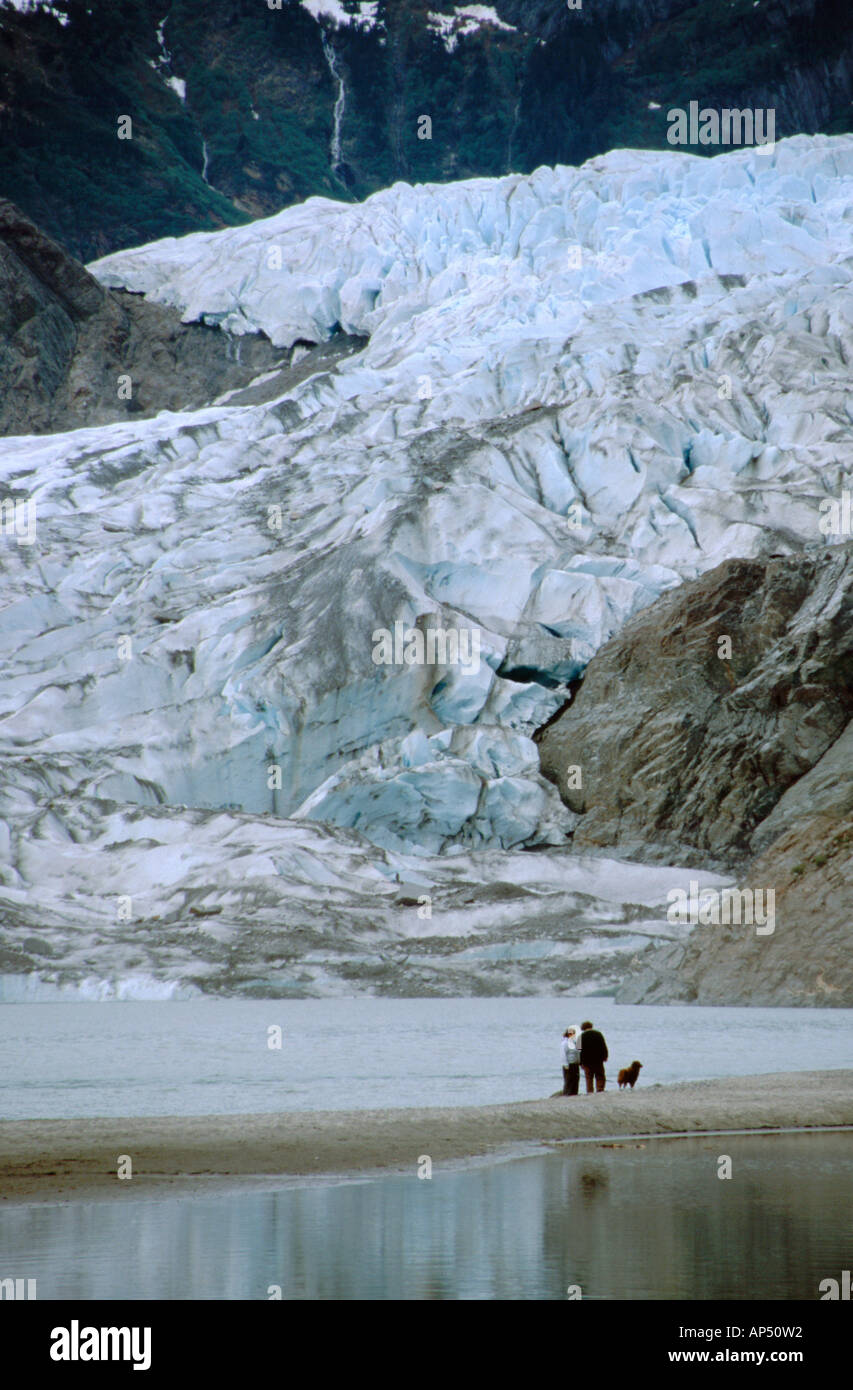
x: 570, y: 1050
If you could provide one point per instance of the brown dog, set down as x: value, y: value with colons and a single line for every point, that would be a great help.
x: 628, y: 1075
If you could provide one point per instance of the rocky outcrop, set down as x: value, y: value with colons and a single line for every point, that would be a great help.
x: 74, y: 354
x: 692, y: 722
x: 807, y: 958
x: 717, y: 723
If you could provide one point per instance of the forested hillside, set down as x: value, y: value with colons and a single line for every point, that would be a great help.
x: 239, y: 109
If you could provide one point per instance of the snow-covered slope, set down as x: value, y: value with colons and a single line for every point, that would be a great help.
x: 580, y: 388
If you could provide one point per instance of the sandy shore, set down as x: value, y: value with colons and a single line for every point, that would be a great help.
x: 61, y: 1160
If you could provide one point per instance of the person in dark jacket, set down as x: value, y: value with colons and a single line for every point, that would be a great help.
x: 593, y: 1056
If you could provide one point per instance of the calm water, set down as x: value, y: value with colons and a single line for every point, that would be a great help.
x: 205, y: 1057
x: 649, y: 1222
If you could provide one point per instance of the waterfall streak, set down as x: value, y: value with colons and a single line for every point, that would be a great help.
x: 340, y: 104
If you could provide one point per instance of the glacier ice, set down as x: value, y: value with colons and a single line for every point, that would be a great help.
x: 578, y: 388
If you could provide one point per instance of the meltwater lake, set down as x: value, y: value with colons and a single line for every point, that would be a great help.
x: 627, y: 1219
x: 635, y: 1220
x: 212, y: 1057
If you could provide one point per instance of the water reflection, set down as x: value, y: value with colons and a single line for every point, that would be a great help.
x: 645, y: 1220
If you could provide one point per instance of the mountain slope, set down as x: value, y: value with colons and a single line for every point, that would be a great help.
x: 239, y: 109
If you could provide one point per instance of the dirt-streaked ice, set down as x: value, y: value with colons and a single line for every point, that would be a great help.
x: 580, y: 388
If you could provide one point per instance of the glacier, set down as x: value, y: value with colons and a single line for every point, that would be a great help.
x: 568, y: 392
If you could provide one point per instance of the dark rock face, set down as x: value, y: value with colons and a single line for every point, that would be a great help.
x: 807, y: 959
x: 743, y: 763
x: 65, y: 343
x: 686, y: 749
